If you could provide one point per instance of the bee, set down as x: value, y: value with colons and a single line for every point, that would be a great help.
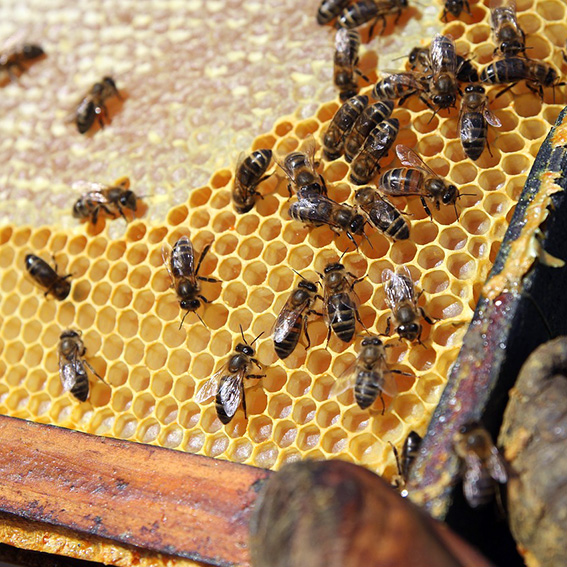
x: 537, y: 74
x: 110, y: 199
x: 367, y: 163
x: 329, y: 10
x: 347, y: 43
x: 227, y: 385
x: 419, y: 62
x: 364, y: 11
x: 443, y: 83
x: 508, y: 35
x: 369, y: 375
x: 72, y: 364
x: 370, y: 117
x: 455, y: 7
x: 249, y: 174
x: 340, y: 126
x: 483, y: 465
x: 382, y: 214
x: 185, y: 278
x: 418, y: 179
x: 93, y: 104
x: 47, y: 277
x: 474, y: 119
x: 410, y: 451
x: 301, y: 170
x: 402, y: 301
x: 292, y: 319
x: 16, y: 56
x: 399, y: 86
x: 340, y: 304
x: 318, y: 210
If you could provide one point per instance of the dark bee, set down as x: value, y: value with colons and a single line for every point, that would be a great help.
x: 370, y: 117
x: 347, y: 43
x: 93, y: 104
x: 402, y: 301
x: 248, y: 175
x: 300, y: 170
x: 317, y: 210
x: 483, y: 465
x: 399, y: 86
x: 369, y: 375
x: 341, y: 125
x: 382, y: 214
x: 474, y: 119
x: 410, y: 451
x: 455, y: 7
x: 185, y: 278
x: 364, y: 11
x: 47, y: 277
x: 227, y: 385
x: 340, y: 301
x: 537, y: 74
x: 418, y: 179
x: 443, y: 83
x: 419, y: 62
x: 508, y: 35
x: 292, y: 319
x: 329, y: 10
x: 72, y: 364
x: 367, y: 163
x: 110, y: 199
x: 17, y: 56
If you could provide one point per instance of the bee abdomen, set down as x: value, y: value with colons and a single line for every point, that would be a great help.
x: 358, y: 14
x: 81, y: 388
x: 254, y: 166
x: 367, y: 388
x: 473, y: 134
x: 484, y: 490
x: 390, y: 221
x: 180, y: 256
x: 289, y: 342
x: 329, y: 10
x: 341, y: 312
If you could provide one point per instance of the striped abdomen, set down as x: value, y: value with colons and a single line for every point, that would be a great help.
x: 254, y: 167
x: 329, y: 10
x: 220, y: 403
x: 402, y: 181
x: 367, y: 387
x: 473, y: 130
x: 341, y: 311
x: 287, y: 345
x: 358, y: 14
x: 396, y: 86
x: 81, y: 387
x: 387, y: 219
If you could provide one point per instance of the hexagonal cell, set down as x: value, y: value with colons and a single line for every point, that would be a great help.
x: 435, y: 281
x: 280, y: 406
x: 255, y: 273
x: 148, y: 431
x: 303, y: 411
x: 195, y: 442
x: 430, y: 257
x: 170, y: 437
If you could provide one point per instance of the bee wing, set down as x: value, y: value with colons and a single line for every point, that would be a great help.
x: 13, y: 41
x: 210, y: 388
x: 230, y: 392
x: 389, y: 385
x: 409, y: 158
x: 166, y: 256
x: 491, y: 118
x: 473, y: 473
x: 399, y: 287
x: 508, y: 5
x: 68, y: 370
x: 345, y: 381
x: 187, y: 266
x: 92, y: 191
x: 342, y: 40
x: 442, y: 54
x: 286, y: 319
x: 309, y: 148
x: 497, y: 466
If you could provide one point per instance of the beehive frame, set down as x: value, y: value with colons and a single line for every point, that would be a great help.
x: 130, y: 319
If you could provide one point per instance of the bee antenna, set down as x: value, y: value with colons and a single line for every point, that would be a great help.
x: 342, y: 255
x: 242, y: 333
x: 294, y: 270
x: 256, y: 338
x: 183, y: 319
x: 456, y: 212
x: 200, y: 319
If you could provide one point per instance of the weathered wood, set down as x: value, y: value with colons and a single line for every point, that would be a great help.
x: 167, y: 501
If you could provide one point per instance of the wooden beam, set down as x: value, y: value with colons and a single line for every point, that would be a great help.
x: 158, y: 499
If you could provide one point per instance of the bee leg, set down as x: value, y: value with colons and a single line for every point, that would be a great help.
x: 94, y: 218
x: 323, y: 184
x: 210, y: 280
x: 426, y: 208
x: 328, y: 336
x: 351, y: 238
x: 121, y: 212
x: 256, y: 376
x: 383, y: 404
x: 204, y: 299
x: 243, y: 399
x: 426, y: 317
x: 506, y: 89
x: 289, y: 190
x: 93, y: 370
x: 202, y: 257
x: 357, y: 315
x: 388, y: 327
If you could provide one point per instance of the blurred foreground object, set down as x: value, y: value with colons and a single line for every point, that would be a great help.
x: 534, y: 438
x: 334, y: 513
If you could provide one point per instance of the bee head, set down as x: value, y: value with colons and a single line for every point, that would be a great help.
x: 244, y: 349
x: 128, y: 200
x: 32, y: 51
x: 309, y: 286
x: 475, y: 89
x: 109, y: 82
x: 356, y: 225
x: 335, y: 267
x: 371, y: 341
x: 79, y: 210
x: 444, y: 101
x: 190, y: 304
x: 409, y: 331
x: 450, y: 195
x: 364, y: 196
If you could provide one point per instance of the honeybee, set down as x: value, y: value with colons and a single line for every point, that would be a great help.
x: 473, y: 120
x: 483, y: 465
x: 329, y: 10
x: 369, y: 375
x: 185, y: 278
x: 292, y: 319
x: 347, y: 43
x: 364, y: 11
x: 93, y: 104
x: 47, y: 277
x: 340, y: 304
x: 367, y: 163
x: 227, y: 385
x: 418, y: 179
x: 419, y: 62
x: 110, y: 199
x: 301, y: 172
x: 370, y: 117
x: 341, y: 125
x: 402, y: 301
x: 455, y: 7
x: 537, y: 74
x: 248, y: 175
x: 72, y: 364
x: 399, y: 86
x: 318, y: 210
x: 410, y: 451
x: 15, y: 56
x: 508, y: 35
x: 382, y: 214
x: 443, y: 83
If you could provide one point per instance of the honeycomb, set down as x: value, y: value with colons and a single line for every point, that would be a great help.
x: 121, y: 299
